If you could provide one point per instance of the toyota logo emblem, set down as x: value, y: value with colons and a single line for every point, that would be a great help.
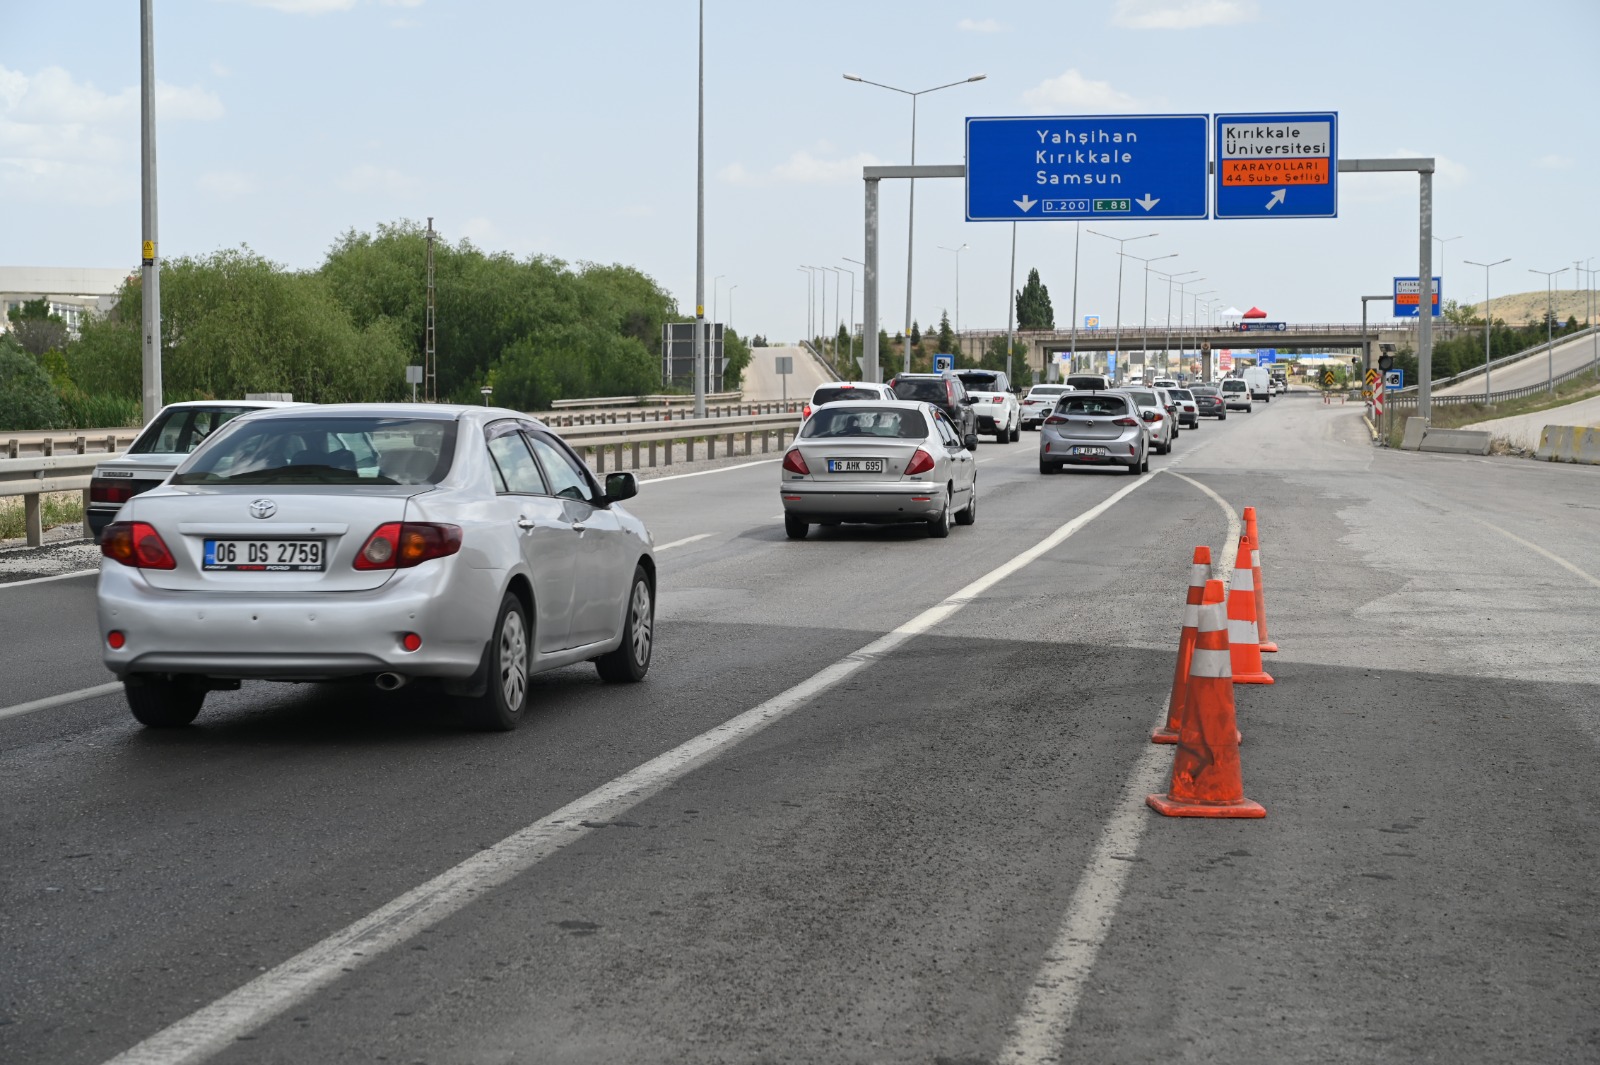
x: 263, y: 508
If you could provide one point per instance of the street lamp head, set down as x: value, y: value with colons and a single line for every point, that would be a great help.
x: 977, y: 77
x: 852, y: 77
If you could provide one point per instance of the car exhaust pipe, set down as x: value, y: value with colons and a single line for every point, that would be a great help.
x: 389, y: 681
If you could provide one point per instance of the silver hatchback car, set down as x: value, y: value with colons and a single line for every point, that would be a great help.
x: 1095, y: 429
x: 879, y: 463
x: 463, y: 545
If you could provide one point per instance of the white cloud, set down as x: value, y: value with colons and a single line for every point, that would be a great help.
x: 374, y: 179
x: 1554, y: 162
x: 1073, y: 93
x: 227, y: 184
x: 1181, y: 14
x: 801, y: 168
x: 988, y: 25
x: 66, y: 141
x: 220, y: 71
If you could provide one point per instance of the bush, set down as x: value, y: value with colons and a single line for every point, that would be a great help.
x: 27, y: 398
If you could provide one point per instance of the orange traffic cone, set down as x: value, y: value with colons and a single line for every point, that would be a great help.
x: 1261, y: 589
x: 1206, y: 779
x: 1199, y: 572
x: 1244, y: 644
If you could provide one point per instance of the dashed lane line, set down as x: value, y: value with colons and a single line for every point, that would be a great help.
x: 685, y: 540
x: 53, y: 577
x: 60, y: 700
x: 217, y: 1026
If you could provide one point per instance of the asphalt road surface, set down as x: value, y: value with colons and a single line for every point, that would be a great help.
x: 1536, y: 369
x: 763, y: 382
x: 912, y: 826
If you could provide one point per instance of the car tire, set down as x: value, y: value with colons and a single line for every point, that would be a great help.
x: 629, y: 663
x: 505, y: 699
x: 968, y: 515
x: 1222, y: 417
x: 1002, y: 435
x: 1134, y: 467
x: 1249, y: 408
x: 794, y: 528
x: 163, y: 700
x: 1047, y: 468
x: 939, y: 527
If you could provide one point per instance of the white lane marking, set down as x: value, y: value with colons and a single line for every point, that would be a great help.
x: 685, y: 540
x: 1557, y: 559
x: 216, y: 1026
x: 1041, y: 1025
x: 1230, y: 547
x: 645, y: 481
x: 56, y: 577
x: 60, y: 700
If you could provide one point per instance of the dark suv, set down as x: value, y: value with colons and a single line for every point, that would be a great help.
x: 945, y: 391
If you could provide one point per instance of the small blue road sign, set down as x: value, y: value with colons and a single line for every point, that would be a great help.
x: 1100, y: 167
x: 943, y: 362
x: 1394, y: 379
x: 1408, y: 293
x: 1277, y: 165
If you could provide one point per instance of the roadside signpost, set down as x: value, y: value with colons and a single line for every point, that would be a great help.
x: 1327, y: 378
x: 1407, y: 295
x: 1098, y: 167
x: 1277, y: 165
x: 943, y: 362
x: 783, y: 365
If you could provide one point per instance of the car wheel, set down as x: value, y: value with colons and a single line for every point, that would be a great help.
x: 1249, y: 408
x: 163, y: 700
x: 1048, y: 468
x: 1222, y: 417
x: 794, y: 528
x: 631, y: 660
x: 1144, y: 466
x: 500, y: 708
x: 968, y: 515
x: 939, y: 527
x: 1016, y: 432
x: 1134, y: 466
x: 1002, y: 435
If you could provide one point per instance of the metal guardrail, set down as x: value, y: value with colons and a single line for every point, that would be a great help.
x: 30, y: 478
x: 1401, y: 399
x: 662, y: 400
x: 1504, y: 360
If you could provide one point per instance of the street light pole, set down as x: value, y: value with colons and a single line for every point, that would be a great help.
x: 150, y: 269
x: 1117, y: 343
x: 1144, y: 325
x: 911, y: 215
x: 852, y: 322
x: 1166, y: 345
x: 700, y: 234
x: 1488, y: 319
x: 810, y: 300
x: 1181, y: 294
x: 1205, y: 361
x: 1072, y: 358
x: 714, y: 283
x: 958, y: 252
x: 730, y: 306
x: 1549, y: 323
x: 1011, y: 306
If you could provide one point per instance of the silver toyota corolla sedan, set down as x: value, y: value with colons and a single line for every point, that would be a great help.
x: 879, y: 463
x: 463, y: 545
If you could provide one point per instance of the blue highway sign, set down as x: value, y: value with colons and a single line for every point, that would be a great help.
x: 1098, y: 167
x: 1277, y: 165
x: 1408, y: 294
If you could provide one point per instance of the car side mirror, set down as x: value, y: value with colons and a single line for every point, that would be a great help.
x: 620, y: 486
x: 970, y: 441
x: 1149, y: 415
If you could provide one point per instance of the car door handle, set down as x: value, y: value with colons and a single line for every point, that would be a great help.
x: 579, y: 526
x: 527, y: 523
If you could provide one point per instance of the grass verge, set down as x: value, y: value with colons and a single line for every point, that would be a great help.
x: 58, y: 508
x: 1455, y: 416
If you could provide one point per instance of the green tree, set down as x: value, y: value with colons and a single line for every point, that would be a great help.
x: 37, y: 330
x: 916, y: 334
x: 948, y: 344
x: 1033, y: 305
x: 27, y: 399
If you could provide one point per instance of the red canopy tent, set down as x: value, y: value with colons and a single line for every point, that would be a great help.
x: 1255, y: 312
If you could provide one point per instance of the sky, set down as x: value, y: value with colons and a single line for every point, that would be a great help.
x: 569, y: 130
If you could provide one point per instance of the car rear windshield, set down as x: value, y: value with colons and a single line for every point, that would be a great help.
x: 925, y: 389
x: 980, y: 382
x: 832, y: 394
x: 1233, y: 384
x: 1048, y: 391
x: 1206, y: 391
x: 1181, y: 393
x: 330, y: 449
x: 1146, y: 399
x: 178, y: 430
x: 1092, y: 404
x: 888, y: 422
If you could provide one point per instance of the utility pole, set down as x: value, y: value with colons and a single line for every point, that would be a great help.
x: 150, y: 265
x: 1011, y: 305
x: 430, y: 356
x: 700, y: 235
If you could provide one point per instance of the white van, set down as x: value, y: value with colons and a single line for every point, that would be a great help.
x: 1260, y: 382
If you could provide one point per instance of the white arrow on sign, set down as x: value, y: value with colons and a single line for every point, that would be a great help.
x: 1277, y: 198
x: 1148, y: 201
x: 1025, y: 203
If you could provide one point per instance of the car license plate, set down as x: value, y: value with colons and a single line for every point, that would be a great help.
x: 855, y: 465
x: 264, y: 556
x: 1090, y: 451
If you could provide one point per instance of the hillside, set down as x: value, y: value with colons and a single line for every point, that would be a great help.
x: 1519, y: 307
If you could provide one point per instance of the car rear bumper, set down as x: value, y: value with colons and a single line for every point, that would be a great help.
x: 1119, y: 452
x: 875, y: 503
x: 300, y: 637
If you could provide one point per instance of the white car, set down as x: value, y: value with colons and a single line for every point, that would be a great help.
x: 994, y: 403
x: 1259, y: 381
x: 1038, y: 403
x: 1157, y: 419
x: 176, y: 430
x: 1235, y: 394
x: 1164, y: 382
x: 837, y: 390
x: 466, y: 546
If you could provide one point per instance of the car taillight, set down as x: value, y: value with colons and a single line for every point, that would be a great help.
x: 136, y: 544
x: 401, y: 545
x: 1055, y: 419
x: 1126, y: 421
x: 998, y: 399
x: 105, y: 490
x: 921, y: 462
x: 795, y: 462
x: 805, y: 412
x: 1155, y: 416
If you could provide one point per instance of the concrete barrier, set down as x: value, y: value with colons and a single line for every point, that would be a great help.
x: 1412, y: 440
x: 1569, y: 443
x: 1419, y: 436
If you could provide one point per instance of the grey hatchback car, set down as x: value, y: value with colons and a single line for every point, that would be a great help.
x: 1094, y: 429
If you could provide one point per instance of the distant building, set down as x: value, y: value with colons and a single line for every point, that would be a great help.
x: 73, y: 292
